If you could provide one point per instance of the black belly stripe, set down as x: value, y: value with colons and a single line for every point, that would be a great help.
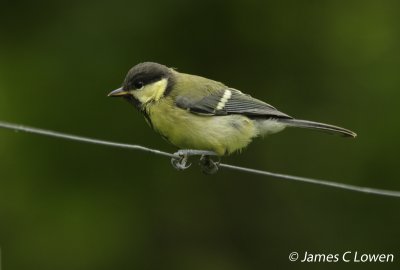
x: 139, y: 106
x: 148, y: 119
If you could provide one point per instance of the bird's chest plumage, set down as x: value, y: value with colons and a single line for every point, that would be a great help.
x: 221, y: 134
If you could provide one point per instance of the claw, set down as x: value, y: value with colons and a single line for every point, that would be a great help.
x: 208, y: 166
x: 180, y: 163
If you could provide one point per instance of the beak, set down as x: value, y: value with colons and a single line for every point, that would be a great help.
x: 118, y: 93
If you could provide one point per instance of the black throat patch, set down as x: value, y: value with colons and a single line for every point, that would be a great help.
x: 139, y: 107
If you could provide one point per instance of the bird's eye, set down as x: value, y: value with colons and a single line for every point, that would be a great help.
x: 138, y: 85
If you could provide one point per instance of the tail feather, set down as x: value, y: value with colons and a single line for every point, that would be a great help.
x: 318, y: 126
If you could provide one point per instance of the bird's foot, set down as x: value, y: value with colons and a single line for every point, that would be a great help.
x: 208, y: 166
x: 181, y: 163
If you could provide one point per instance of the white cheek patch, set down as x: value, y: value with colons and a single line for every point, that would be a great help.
x: 227, y: 95
x: 151, y: 92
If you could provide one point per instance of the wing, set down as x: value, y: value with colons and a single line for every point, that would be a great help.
x: 228, y: 101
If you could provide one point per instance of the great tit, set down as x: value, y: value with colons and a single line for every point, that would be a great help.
x: 194, y: 112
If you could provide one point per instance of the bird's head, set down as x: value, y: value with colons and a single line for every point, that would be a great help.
x: 145, y: 82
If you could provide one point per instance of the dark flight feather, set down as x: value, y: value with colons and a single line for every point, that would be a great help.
x: 319, y: 126
x: 237, y: 103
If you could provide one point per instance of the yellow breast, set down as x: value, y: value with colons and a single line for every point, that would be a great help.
x: 220, y: 134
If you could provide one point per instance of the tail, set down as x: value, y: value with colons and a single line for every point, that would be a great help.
x: 317, y: 126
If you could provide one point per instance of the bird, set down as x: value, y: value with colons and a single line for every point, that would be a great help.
x: 204, y: 117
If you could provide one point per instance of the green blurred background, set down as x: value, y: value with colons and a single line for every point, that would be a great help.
x: 68, y: 205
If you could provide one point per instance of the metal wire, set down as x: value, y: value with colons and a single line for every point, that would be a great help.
x: 50, y: 133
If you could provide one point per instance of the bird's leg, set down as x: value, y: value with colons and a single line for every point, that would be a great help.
x: 181, y: 162
x: 208, y: 166
x: 193, y: 152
